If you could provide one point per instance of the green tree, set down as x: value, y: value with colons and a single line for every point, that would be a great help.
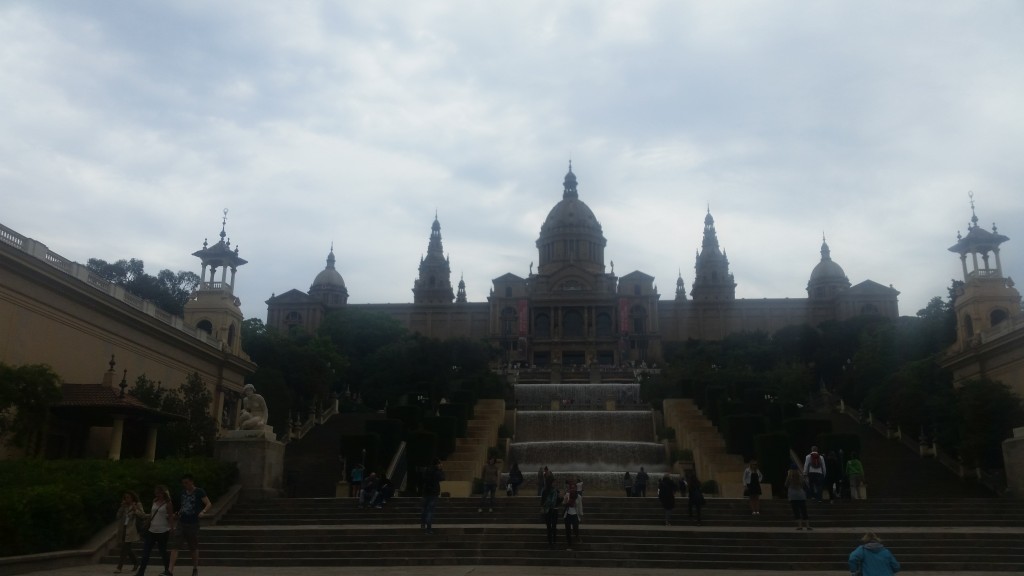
x: 168, y: 290
x: 26, y: 394
x: 196, y: 434
x: 987, y: 414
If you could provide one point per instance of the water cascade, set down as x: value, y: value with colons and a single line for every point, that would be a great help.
x: 582, y: 430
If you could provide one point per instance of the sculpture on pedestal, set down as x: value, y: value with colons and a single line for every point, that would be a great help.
x: 254, y: 410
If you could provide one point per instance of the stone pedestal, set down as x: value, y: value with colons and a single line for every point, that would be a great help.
x: 1013, y: 461
x: 260, y: 459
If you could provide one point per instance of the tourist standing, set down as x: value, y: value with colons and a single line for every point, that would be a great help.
x: 489, y: 475
x: 667, y: 496
x: 833, y: 476
x: 549, y: 510
x: 356, y: 484
x: 814, y: 470
x: 515, y: 478
x: 640, y: 484
x: 694, y: 495
x: 797, y: 495
x: 128, y: 514
x: 752, y: 478
x: 871, y: 558
x: 194, y: 505
x: 572, y: 514
x: 627, y: 484
x: 160, y: 516
x: 855, y: 476
x: 431, y: 487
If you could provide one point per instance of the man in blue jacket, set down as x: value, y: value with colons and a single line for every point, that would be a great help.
x: 872, y: 558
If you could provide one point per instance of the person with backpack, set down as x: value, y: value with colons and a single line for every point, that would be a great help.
x: 572, y: 513
x: 814, y: 470
x: 871, y: 558
x: 694, y: 495
x: 549, y: 512
x: 430, y: 479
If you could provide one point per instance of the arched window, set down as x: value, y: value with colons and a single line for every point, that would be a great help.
x: 509, y: 319
x: 996, y: 316
x: 231, y: 335
x: 205, y: 326
x: 572, y: 324
x: 968, y: 326
x: 603, y: 323
x: 638, y: 319
x: 542, y: 326
x: 869, y: 309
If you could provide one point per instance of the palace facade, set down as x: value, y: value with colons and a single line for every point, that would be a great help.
x: 573, y: 311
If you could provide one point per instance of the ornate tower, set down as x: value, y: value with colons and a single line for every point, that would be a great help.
x: 987, y: 298
x: 680, y: 288
x: 460, y: 297
x: 713, y: 281
x: 214, y: 308
x: 434, y: 285
x: 828, y: 278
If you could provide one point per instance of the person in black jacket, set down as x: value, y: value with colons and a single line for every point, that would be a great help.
x: 431, y: 485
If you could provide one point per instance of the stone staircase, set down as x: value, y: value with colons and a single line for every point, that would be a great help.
x: 695, y: 432
x: 470, y: 455
x: 926, y: 535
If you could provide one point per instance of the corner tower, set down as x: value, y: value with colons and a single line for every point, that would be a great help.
x: 987, y: 298
x: 213, y: 307
x: 434, y: 284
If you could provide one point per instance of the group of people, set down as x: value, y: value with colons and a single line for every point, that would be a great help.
x: 568, y: 503
x: 164, y: 526
x: 372, y: 491
x: 807, y: 482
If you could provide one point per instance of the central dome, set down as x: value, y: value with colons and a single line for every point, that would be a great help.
x: 571, y: 233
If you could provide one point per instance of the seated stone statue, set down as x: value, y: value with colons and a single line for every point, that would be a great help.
x: 254, y: 410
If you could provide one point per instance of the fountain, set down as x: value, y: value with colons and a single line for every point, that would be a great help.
x: 581, y: 430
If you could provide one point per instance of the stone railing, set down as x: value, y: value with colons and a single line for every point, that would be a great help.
x: 82, y: 273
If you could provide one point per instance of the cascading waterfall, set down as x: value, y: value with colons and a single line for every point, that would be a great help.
x: 582, y: 439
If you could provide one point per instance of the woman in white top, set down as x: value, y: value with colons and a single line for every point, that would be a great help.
x: 161, y: 518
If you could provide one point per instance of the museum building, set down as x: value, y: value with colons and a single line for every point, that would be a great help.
x: 572, y: 310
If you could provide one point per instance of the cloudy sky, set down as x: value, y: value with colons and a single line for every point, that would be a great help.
x: 127, y: 127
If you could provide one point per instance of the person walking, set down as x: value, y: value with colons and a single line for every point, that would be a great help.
x: 431, y: 487
x: 872, y: 558
x: 128, y: 514
x: 752, y: 479
x: 489, y: 475
x: 194, y: 505
x: 160, y: 524
x: 855, y: 475
x: 797, y: 495
x: 814, y: 470
x: 549, y: 511
x: 640, y: 483
x: 572, y: 514
x: 667, y: 489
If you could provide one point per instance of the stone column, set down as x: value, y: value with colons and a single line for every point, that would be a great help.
x: 116, y: 433
x: 150, y: 455
x: 1013, y: 462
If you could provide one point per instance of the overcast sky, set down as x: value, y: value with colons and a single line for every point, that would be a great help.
x: 127, y: 127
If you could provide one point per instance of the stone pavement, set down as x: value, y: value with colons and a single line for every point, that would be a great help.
x: 93, y: 570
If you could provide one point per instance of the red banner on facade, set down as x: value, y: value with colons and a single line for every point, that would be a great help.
x: 522, y: 317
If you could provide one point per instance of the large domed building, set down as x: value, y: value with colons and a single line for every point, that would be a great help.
x: 573, y: 310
